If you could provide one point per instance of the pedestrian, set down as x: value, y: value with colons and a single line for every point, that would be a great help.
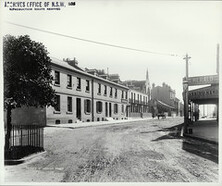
x: 141, y: 114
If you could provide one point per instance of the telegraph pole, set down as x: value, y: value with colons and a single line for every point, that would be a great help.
x: 218, y: 49
x: 185, y: 95
x: 217, y: 70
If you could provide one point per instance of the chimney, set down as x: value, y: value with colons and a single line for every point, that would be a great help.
x: 164, y: 84
x: 73, y: 62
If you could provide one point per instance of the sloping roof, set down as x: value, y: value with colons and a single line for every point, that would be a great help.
x: 135, y: 82
x: 164, y: 104
x: 136, y: 85
x: 64, y: 64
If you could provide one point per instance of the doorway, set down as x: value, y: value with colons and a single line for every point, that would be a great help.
x: 78, y: 108
x: 106, y: 109
x: 110, y: 109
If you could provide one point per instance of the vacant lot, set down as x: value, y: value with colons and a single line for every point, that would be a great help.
x: 143, y: 151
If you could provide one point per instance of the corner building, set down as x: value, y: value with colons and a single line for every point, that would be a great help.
x: 139, y: 104
x: 84, y: 95
x: 164, y: 98
x: 139, y: 97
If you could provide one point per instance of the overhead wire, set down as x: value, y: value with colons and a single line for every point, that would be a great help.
x: 92, y: 41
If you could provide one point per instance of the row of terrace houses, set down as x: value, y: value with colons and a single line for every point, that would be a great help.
x: 85, y: 95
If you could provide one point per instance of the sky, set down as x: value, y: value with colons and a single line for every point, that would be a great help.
x: 169, y: 28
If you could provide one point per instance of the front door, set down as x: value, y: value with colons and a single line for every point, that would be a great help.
x: 106, y: 109
x: 110, y: 109
x: 78, y: 108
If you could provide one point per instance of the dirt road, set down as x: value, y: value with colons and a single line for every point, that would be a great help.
x: 143, y: 151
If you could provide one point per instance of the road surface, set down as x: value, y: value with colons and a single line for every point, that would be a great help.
x: 138, y: 151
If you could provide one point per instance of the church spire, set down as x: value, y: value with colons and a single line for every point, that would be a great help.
x: 147, y: 84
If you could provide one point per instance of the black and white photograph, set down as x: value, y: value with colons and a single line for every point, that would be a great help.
x: 119, y: 92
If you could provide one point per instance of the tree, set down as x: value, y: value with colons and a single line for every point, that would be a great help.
x: 27, y: 76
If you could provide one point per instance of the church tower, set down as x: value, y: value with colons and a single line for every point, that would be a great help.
x: 147, y: 85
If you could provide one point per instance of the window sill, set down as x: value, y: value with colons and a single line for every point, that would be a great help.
x: 104, y: 94
x: 69, y: 112
x: 56, y: 85
x: 87, y: 91
x: 99, y: 112
x: 78, y: 89
x: 87, y: 113
x: 68, y: 87
x: 56, y: 112
x: 99, y: 94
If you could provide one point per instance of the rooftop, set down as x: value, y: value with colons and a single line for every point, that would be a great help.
x: 72, y: 65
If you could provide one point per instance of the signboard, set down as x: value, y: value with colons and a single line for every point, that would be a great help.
x: 211, y: 92
x: 203, y: 80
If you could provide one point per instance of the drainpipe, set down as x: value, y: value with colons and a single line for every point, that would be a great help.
x: 92, y: 100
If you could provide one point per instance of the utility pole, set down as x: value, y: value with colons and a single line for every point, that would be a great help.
x: 218, y: 49
x: 185, y: 95
x: 218, y: 54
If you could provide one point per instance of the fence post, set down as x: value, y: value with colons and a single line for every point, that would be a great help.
x: 21, y: 133
x: 13, y: 135
x: 34, y: 134
x: 39, y: 137
x: 28, y: 134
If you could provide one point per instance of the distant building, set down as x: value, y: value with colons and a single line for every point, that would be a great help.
x: 85, y: 94
x: 139, y: 97
x: 141, y: 86
x: 139, y: 104
x: 164, y: 99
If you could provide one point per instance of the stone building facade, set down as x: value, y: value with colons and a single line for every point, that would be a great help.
x: 139, y: 97
x: 139, y: 104
x: 85, y: 95
x: 164, y: 99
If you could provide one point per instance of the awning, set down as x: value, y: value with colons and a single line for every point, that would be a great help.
x: 205, y: 95
x: 164, y: 104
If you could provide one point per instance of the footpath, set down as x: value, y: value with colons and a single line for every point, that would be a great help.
x: 96, y: 123
x: 207, y: 130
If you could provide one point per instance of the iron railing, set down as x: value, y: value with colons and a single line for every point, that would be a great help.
x: 27, y: 135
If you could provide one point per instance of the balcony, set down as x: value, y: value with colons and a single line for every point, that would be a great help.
x: 124, y: 100
x: 138, y: 102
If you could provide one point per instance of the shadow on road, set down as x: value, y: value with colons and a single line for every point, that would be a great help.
x: 203, y: 149
x: 173, y: 133
x: 196, y: 146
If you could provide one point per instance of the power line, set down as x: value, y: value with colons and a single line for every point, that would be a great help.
x: 92, y: 41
